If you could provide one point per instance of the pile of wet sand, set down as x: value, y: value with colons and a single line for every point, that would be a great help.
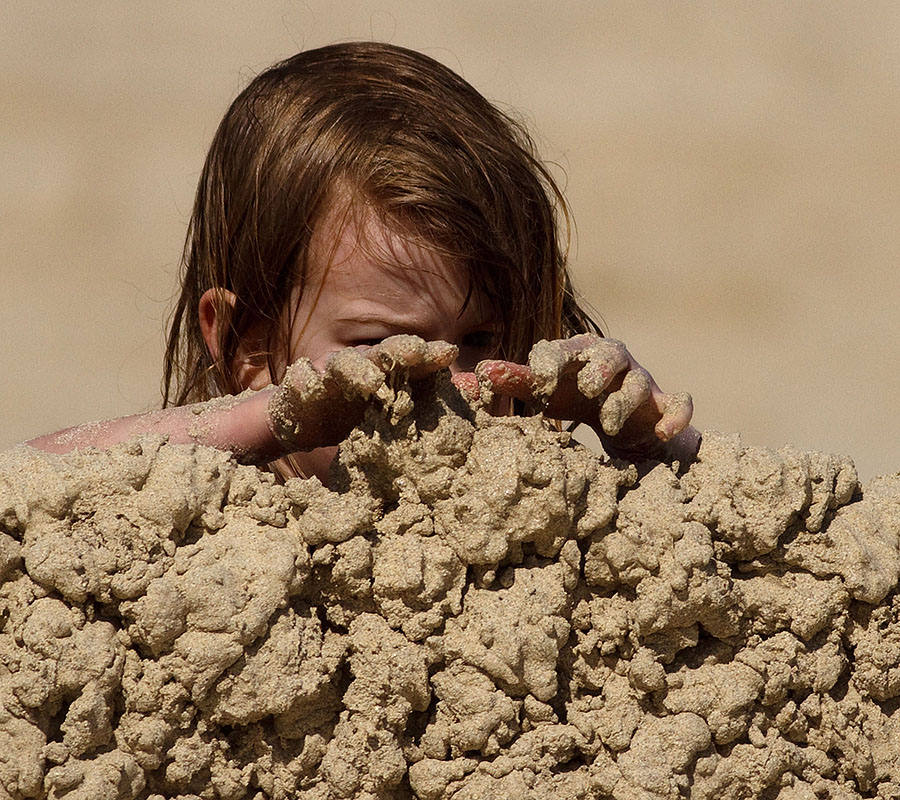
x: 478, y: 609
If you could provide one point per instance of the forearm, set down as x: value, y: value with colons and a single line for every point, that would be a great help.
x: 236, y: 424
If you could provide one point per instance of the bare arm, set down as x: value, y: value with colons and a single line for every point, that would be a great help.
x: 585, y: 378
x: 309, y: 409
x: 238, y: 424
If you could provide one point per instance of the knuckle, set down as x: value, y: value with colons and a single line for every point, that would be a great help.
x: 638, y: 380
x: 678, y: 405
x: 402, y: 350
x: 587, y: 339
x: 682, y: 400
x: 613, y: 347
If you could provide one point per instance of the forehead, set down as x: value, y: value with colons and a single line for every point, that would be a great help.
x: 354, y: 251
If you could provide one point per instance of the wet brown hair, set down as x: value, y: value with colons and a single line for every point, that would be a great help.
x: 412, y: 140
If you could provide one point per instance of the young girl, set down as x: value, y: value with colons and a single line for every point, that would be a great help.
x: 362, y: 208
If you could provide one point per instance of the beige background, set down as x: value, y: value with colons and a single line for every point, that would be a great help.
x: 733, y: 170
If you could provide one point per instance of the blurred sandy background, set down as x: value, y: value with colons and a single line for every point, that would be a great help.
x: 733, y: 169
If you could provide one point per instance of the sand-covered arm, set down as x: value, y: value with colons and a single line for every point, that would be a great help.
x: 237, y: 424
x: 596, y: 381
x: 308, y: 409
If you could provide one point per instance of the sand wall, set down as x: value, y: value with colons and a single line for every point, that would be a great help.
x: 479, y: 609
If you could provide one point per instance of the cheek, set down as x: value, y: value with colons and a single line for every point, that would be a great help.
x: 469, y: 357
x: 260, y: 380
x: 461, y: 365
x: 317, y: 348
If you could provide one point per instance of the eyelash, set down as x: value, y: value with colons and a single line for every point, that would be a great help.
x: 479, y: 339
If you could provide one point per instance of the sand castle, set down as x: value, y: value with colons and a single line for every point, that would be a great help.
x: 479, y: 608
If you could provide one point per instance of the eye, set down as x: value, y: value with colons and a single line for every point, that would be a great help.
x: 479, y: 340
x: 476, y: 346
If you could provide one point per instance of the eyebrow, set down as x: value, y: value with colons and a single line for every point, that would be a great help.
x: 398, y: 325
x: 393, y: 319
x: 398, y: 320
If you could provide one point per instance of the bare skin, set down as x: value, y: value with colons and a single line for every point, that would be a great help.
x: 314, y: 409
x: 586, y: 379
x: 377, y: 306
x: 596, y: 381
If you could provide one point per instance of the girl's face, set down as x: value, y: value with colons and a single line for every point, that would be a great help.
x: 366, y: 283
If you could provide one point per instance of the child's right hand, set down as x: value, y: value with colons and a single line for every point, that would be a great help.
x: 312, y: 408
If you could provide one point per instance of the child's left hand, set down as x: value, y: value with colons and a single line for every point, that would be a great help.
x: 596, y: 381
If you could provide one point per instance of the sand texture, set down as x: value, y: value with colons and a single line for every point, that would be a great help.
x: 478, y: 609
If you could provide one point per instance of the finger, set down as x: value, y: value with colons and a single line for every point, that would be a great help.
x: 677, y: 410
x: 354, y: 373
x: 467, y: 383
x: 412, y: 353
x: 547, y: 361
x: 550, y: 360
x: 440, y: 354
x: 403, y: 350
x: 302, y: 382
x: 621, y: 404
x: 582, y: 341
x: 301, y: 387
x: 507, y: 378
x: 605, y: 359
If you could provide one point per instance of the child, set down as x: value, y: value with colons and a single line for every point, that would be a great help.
x: 363, y: 208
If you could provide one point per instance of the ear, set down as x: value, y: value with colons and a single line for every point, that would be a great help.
x: 215, y: 309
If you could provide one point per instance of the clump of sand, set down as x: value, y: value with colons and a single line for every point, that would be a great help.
x: 479, y: 608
